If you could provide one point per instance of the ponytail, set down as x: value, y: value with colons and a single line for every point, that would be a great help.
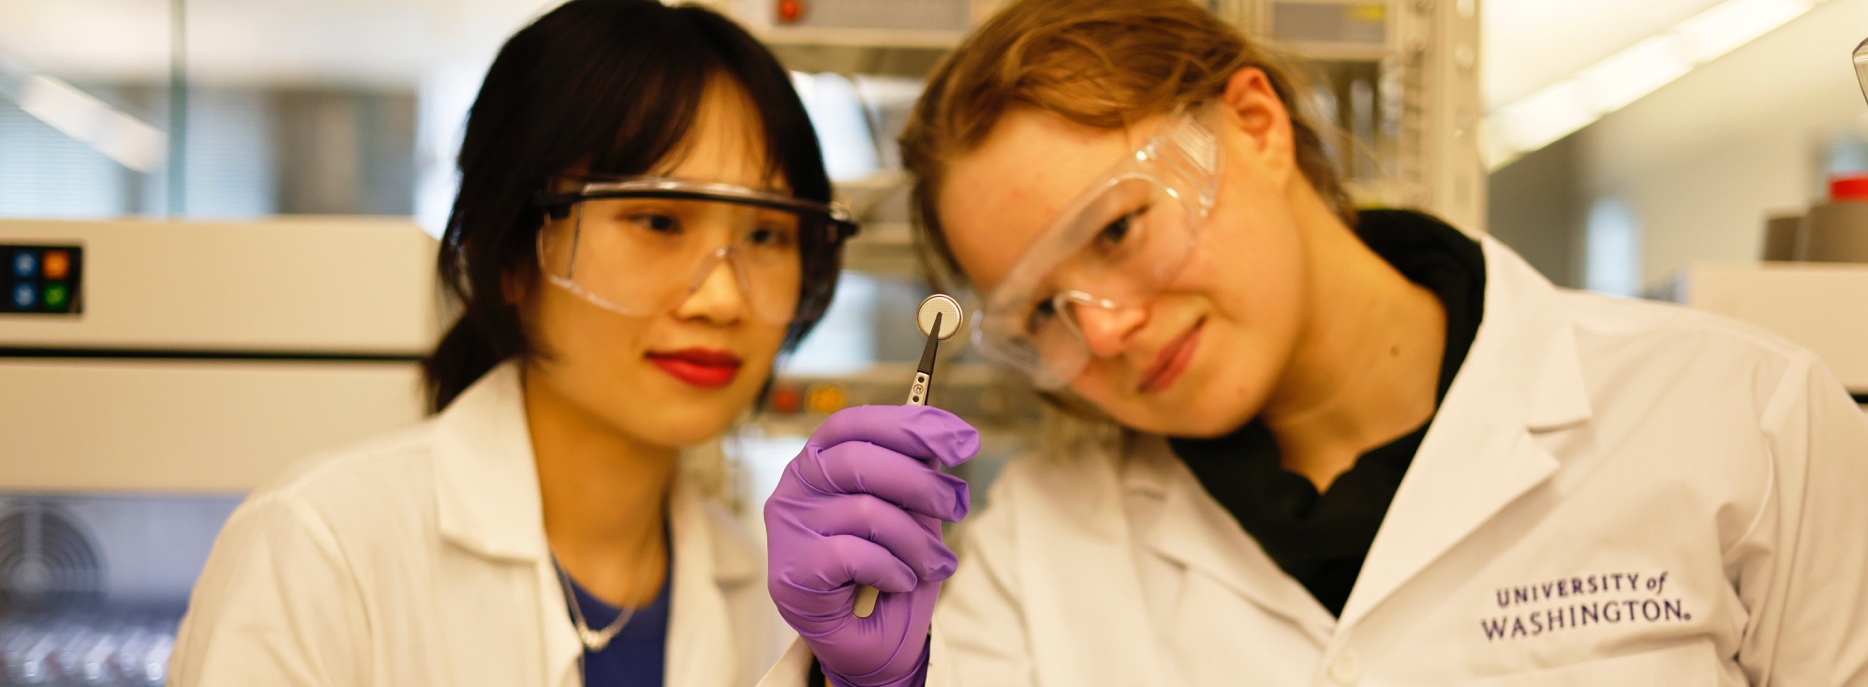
x: 466, y: 353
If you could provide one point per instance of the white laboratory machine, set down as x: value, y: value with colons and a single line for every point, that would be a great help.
x: 1821, y: 306
x: 153, y: 372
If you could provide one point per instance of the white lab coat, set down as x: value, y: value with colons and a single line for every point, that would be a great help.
x: 1612, y: 493
x: 420, y: 559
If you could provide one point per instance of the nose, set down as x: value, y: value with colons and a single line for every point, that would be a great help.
x: 717, y: 293
x: 1107, y: 327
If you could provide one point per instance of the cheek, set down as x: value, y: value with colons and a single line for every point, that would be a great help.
x: 759, y: 343
x: 582, y: 343
x: 1247, y: 281
x: 1250, y: 260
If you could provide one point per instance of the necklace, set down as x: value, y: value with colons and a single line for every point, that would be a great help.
x: 595, y: 641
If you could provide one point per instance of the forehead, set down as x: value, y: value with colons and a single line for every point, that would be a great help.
x: 1000, y: 197
x: 725, y: 143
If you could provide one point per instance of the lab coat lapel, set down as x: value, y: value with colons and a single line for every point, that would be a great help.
x: 1195, y: 532
x: 1521, y: 377
x: 485, y: 480
x: 702, y: 640
x: 563, y: 650
x: 487, y: 501
x: 1083, y: 536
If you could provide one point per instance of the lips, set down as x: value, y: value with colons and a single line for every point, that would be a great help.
x: 1172, y: 361
x: 701, y: 367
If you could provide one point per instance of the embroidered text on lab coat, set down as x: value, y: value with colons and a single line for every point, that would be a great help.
x: 1607, y: 599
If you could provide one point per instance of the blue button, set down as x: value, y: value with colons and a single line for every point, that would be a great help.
x: 26, y: 264
x: 25, y: 297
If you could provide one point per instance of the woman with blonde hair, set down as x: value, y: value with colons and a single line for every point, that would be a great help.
x: 1356, y: 446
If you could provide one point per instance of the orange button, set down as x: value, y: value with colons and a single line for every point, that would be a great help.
x: 790, y: 11
x: 57, y: 264
x: 786, y: 399
x: 825, y: 398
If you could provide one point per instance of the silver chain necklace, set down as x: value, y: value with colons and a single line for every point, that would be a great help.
x: 595, y: 641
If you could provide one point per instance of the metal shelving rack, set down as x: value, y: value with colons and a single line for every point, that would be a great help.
x: 1416, y: 142
x: 1398, y: 79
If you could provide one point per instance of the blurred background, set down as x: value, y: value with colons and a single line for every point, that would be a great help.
x: 218, y: 219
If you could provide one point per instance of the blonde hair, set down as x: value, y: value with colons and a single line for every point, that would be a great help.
x: 1097, y: 63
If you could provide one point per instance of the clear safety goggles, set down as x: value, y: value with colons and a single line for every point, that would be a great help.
x: 642, y: 245
x: 1116, y: 245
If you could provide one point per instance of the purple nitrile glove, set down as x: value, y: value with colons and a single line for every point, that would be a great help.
x: 863, y: 504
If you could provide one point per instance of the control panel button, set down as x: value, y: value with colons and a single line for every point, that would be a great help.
x: 786, y: 399
x: 825, y: 398
x: 56, y: 265
x: 42, y: 279
x: 26, y: 264
x: 57, y: 295
x: 790, y: 11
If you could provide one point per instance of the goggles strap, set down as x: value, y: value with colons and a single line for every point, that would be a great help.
x: 577, y: 234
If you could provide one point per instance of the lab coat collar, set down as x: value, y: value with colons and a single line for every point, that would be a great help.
x: 1522, y: 378
x: 488, y: 498
x: 1081, y: 535
x: 1194, y: 531
x: 701, y: 635
x: 485, y: 480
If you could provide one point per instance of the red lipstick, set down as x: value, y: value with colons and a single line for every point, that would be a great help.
x: 1172, y: 361
x: 702, y: 367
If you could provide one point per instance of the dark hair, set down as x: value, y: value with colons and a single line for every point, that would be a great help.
x: 616, y: 85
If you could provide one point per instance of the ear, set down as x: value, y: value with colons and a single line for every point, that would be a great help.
x: 1254, y: 105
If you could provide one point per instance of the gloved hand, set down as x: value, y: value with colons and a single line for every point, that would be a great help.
x: 863, y: 504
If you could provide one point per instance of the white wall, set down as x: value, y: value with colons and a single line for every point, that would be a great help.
x: 1699, y: 164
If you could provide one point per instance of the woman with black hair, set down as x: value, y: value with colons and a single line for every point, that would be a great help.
x: 643, y: 224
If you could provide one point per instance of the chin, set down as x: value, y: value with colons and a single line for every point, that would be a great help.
x: 1194, y: 413
x: 1176, y: 422
x: 1185, y: 428
x: 678, y: 416
x: 677, y: 427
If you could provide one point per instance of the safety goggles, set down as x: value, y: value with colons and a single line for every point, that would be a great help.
x: 641, y: 246
x: 1116, y: 245
x: 1860, y: 60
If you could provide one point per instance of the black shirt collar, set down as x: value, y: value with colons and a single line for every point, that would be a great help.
x: 1322, y: 539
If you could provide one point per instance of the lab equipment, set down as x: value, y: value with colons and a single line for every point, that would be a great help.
x: 1403, y: 104
x: 1837, y: 230
x: 939, y: 317
x: 1816, y: 305
x: 648, y: 229
x: 1861, y: 66
x: 1783, y: 237
x: 161, y: 371
x: 207, y: 355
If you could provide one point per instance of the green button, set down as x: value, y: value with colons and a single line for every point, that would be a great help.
x: 56, y: 296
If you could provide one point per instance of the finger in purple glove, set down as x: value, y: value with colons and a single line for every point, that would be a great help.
x: 915, y: 431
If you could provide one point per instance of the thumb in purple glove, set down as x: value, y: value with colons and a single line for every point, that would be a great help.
x: 863, y: 504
